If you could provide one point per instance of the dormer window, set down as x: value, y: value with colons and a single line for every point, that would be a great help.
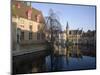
x: 18, y: 5
x: 38, y: 18
x: 29, y: 13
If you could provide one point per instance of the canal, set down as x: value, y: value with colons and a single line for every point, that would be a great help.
x: 72, y: 58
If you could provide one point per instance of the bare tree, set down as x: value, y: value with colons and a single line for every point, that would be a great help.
x: 54, y: 27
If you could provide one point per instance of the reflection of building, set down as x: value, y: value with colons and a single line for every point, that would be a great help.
x: 27, y: 24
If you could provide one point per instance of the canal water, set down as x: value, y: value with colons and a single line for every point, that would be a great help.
x: 78, y: 58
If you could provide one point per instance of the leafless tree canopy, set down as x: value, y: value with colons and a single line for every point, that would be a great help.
x: 52, y: 21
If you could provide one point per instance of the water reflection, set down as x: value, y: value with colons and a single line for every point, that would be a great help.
x: 71, y: 58
x: 61, y: 63
x: 69, y: 51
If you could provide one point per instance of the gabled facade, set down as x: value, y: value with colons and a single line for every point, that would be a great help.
x: 27, y: 24
x: 71, y: 35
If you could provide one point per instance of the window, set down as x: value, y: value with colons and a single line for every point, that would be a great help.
x: 38, y: 27
x: 38, y: 36
x: 42, y: 36
x: 30, y: 35
x: 69, y: 32
x: 22, y: 21
x: 29, y: 13
x: 22, y: 36
x: 22, y: 26
x: 38, y: 18
x: 29, y: 16
x: 30, y: 27
x: 18, y: 5
x: 17, y: 38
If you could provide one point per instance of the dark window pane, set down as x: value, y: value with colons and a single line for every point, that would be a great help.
x: 38, y: 36
x: 30, y: 27
x: 22, y: 35
x: 30, y: 35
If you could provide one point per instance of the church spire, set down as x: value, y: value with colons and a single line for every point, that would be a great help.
x: 67, y: 26
x: 67, y: 31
